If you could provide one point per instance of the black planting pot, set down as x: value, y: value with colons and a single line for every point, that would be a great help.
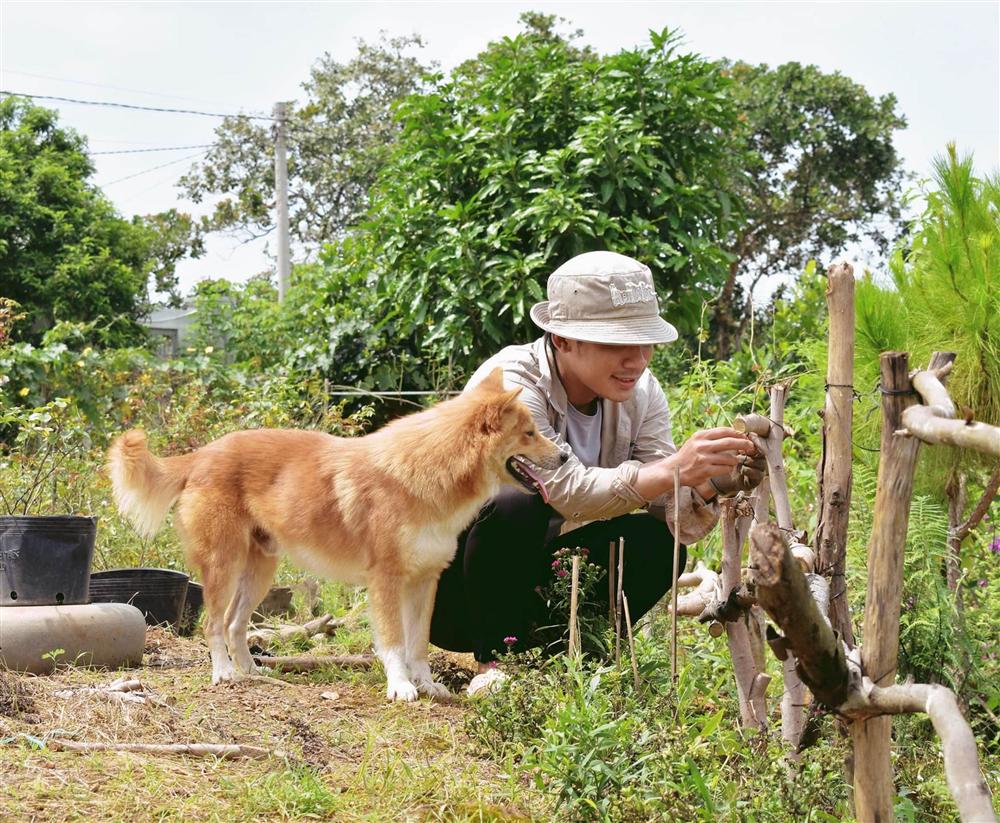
x: 45, y: 561
x: 193, y: 603
x: 158, y: 593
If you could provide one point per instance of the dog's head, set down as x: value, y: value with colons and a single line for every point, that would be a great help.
x: 520, y: 449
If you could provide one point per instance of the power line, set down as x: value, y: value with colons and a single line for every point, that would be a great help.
x: 153, y: 168
x: 132, y: 106
x: 106, y: 86
x: 143, y: 151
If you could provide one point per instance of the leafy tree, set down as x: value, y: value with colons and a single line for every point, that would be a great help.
x: 532, y: 153
x: 65, y: 253
x: 821, y: 172
x: 338, y: 140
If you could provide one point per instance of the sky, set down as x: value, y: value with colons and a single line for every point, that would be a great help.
x: 940, y: 59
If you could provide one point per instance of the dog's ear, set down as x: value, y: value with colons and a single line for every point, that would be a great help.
x: 494, y: 381
x: 494, y: 412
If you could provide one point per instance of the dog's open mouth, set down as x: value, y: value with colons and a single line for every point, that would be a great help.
x: 523, y: 472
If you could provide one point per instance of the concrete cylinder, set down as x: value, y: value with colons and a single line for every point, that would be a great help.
x: 105, y: 635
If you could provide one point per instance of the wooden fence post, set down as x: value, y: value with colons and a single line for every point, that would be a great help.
x: 873, y: 777
x: 835, y: 463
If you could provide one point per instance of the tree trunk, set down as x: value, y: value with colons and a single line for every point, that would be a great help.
x: 835, y: 463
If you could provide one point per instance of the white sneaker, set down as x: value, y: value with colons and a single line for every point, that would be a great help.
x: 486, y: 682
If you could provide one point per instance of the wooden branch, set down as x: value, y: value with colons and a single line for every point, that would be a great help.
x: 823, y: 664
x: 264, y: 636
x: 768, y: 434
x: 783, y: 592
x: 835, y: 463
x: 308, y: 663
x: 709, y: 588
x: 220, y: 750
x: 983, y: 506
x: 934, y: 421
x: 753, y: 708
x: 958, y: 745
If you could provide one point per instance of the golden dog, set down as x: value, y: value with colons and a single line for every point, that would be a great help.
x: 384, y: 510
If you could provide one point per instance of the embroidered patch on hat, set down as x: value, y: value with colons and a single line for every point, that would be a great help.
x: 634, y: 292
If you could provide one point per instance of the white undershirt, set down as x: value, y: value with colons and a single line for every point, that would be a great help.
x: 583, y: 432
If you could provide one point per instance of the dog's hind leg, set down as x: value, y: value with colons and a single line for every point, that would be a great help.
x: 385, y: 595
x: 216, y: 544
x: 254, y: 581
x: 418, y: 605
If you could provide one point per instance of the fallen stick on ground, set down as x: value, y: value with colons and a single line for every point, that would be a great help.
x: 220, y: 750
x: 308, y: 664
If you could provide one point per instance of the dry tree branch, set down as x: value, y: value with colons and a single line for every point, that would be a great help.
x: 934, y: 422
x: 837, y: 680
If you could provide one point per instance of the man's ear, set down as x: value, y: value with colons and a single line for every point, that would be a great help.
x: 561, y: 343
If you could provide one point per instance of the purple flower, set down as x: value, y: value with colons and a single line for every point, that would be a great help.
x: 995, y: 545
x: 983, y: 584
x: 510, y: 641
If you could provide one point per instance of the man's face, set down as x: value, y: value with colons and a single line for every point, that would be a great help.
x: 592, y: 370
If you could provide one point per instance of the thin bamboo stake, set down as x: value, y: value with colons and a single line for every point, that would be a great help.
x: 631, y: 642
x: 618, y: 602
x: 674, y: 573
x: 612, y: 611
x: 574, y: 591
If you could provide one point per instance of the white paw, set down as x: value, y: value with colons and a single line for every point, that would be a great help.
x: 433, y: 689
x: 229, y: 674
x: 401, y: 690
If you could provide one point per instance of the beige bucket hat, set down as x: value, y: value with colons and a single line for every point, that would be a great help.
x: 603, y: 297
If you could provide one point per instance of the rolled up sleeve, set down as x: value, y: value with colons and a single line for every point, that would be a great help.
x: 654, y: 441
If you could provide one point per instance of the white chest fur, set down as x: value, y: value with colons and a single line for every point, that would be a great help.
x: 431, y: 546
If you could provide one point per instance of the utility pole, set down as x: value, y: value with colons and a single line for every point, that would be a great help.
x: 281, y: 200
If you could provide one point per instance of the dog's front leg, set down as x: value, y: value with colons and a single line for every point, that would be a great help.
x: 385, y: 594
x: 418, y: 606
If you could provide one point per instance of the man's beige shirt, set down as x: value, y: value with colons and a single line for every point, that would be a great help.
x: 634, y: 432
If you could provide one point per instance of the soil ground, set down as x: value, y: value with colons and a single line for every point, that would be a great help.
x: 341, y: 751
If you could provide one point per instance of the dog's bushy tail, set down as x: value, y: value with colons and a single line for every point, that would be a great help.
x: 145, y: 486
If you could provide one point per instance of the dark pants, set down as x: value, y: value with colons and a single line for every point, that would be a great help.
x: 491, y: 589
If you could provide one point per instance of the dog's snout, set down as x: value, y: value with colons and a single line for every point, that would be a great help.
x: 563, y: 457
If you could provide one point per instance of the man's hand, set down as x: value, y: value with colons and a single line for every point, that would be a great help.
x: 711, y: 453
x: 743, y: 478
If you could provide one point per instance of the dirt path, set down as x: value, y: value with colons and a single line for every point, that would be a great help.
x: 347, y: 754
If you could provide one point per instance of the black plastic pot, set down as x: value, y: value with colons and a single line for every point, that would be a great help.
x: 158, y: 593
x: 193, y: 603
x: 45, y: 561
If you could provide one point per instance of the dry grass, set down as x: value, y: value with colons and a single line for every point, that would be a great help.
x: 355, y: 757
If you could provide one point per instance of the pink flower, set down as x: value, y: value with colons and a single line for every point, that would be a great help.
x: 510, y: 641
x: 561, y: 573
x: 983, y: 584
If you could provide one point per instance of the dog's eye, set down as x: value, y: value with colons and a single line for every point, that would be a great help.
x: 530, y: 434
